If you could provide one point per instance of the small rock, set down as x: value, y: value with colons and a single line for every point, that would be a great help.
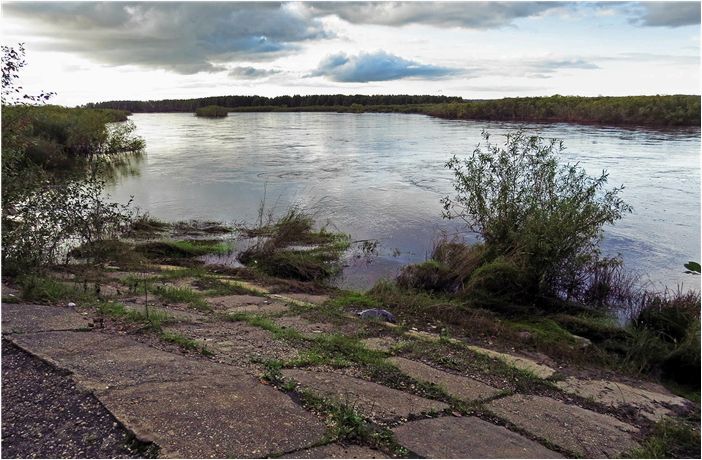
x: 377, y: 313
x: 71, y: 304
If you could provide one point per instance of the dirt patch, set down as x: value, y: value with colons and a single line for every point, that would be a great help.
x: 303, y: 326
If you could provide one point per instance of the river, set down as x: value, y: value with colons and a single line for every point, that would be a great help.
x: 381, y: 176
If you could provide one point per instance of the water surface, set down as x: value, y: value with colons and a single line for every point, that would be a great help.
x: 381, y: 176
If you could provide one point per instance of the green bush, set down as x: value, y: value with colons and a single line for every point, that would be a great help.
x: 429, y: 276
x: 527, y: 207
x: 501, y: 279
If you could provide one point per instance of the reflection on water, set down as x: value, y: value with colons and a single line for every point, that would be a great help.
x: 380, y: 176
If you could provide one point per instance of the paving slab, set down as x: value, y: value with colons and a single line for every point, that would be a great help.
x: 21, y: 318
x: 337, y: 451
x: 370, y: 399
x: 214, y: 417
x: 292, y: 300
x: 384, y: 344
x: 244, y: 284
x: 458, y: 386
x: 229, y: 301
x: 572, y: 428
x: 172, y: 313
x: 522, y: 363
x: 101, y: 361
x: 467, y: 437
x: 303, y: 326
x: 236, y: 343
x: 652, y: 405
x: 315, y: 299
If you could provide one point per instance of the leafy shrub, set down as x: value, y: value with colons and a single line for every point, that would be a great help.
x: 502, y: 279
x: 429, y: 276
x: 526, y: 207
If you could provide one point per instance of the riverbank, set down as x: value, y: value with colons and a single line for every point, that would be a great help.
x: 420, y: 386
x: 648, y: 111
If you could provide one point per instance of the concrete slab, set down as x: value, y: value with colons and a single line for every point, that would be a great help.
x: 214, y: 417
x: 303, y: 326
x: 337, y: 451
x: 467, y: 437
x: 308, y: 298
x: 21, y: 318
x: 244, y: 284
x: 262, y: 309
x: 370, y: 399
x: 384, y: 344
x: 580, y: 431
x: 236, y: 343
x: 458, y: 386
x: 101, y: 361
x: 522, y: 363
x: 230, y: 301
x: 651, y: 404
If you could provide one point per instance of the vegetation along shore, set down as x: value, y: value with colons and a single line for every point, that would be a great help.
x: 655, y: 111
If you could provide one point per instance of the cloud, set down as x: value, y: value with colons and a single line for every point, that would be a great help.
x: 251, y: 73
x: 472, y: 15
x: 667, y: 14
x: 183, y: 37
x: 377, y: 66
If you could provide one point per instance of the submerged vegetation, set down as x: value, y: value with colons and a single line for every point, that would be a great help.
x: 661, y: 111
x: 290, y: 248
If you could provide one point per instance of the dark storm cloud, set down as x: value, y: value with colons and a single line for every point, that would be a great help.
x: 377, y: 66
x: 251, y: 73
x: 668, y: 14
x: 474, y: 15
x: 183, y: 37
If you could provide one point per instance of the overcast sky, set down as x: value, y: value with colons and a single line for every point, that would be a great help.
x: 95, y: 51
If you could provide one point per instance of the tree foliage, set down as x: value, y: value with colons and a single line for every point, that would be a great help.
x: 45, y: 210
x: 545, y: 218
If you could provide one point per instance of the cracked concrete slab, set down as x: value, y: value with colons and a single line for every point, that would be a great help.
x: 236, y: 342
x: 215, y: 417
x: 525, y: 364
x: 384, y: 344
x: 467, y: 437
x: 651, y: 404
x: 580, y: 431
x: 22, y: 318
x: 337, y: 451
x: 458, y: 386
x: 304, y: 326
x: 370, y: 399
x: 101, y: 361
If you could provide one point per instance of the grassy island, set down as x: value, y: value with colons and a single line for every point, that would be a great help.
x: 211, y: 111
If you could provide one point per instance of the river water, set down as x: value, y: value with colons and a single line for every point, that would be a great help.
x: 381, y: 176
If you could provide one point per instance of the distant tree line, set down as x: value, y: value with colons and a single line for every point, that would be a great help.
x: 324, y: 100
x: 677, y: 110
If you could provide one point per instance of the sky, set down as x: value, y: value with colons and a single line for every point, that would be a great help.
x: 98, y: 51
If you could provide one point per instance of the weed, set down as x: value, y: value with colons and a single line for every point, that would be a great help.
x: 44, y: 289
x: 182, y: 295
x: 154, y: 319
x: 144, y: 227
x: 671, y: 438
x: 175, y: 250
x: 185, y: 342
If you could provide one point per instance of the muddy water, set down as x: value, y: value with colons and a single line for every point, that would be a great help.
x: 381, y: 176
